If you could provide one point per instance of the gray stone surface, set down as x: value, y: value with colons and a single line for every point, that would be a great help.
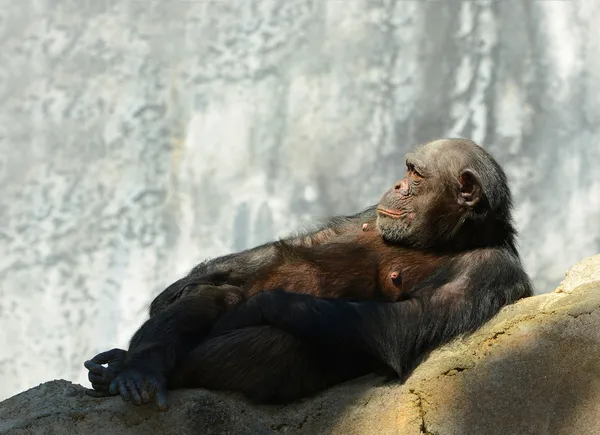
x: 533, y: 369
x: 140, y: 137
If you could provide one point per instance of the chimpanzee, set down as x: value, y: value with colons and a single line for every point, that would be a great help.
x: 372, y: 292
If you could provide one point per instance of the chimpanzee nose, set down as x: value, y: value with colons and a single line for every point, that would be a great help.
x: 401, y: 187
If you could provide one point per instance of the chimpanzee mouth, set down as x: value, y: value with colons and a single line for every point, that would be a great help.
x: 390, y: 213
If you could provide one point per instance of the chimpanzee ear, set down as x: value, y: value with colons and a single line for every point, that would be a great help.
x: 470, y: 188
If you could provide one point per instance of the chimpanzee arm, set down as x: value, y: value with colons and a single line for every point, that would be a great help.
x: 454, y: 300
x: 388, y: 331
x: 246, y: 263
x: 164, y: 339
x: 238, y: 268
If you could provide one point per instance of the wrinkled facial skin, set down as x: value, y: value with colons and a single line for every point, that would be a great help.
x: 421, y: 209
x: 400, y: 206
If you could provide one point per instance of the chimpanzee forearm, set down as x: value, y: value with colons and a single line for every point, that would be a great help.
x: 389, y: 332
x: 242, y: 265
x: 164, y: 339
x: 321, y: 321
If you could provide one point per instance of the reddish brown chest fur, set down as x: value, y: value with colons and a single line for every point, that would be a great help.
x: 357, y: 265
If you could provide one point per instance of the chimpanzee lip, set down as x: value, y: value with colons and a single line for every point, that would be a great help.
x: 390, y: 213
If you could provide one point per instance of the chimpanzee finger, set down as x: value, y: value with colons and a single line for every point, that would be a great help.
x: 114, y: 387
x: 99, y: 379
x: 117, y: 386
x: 98, y: 393
x: 102, y: 387
x: 132, y: 387
x: 142, y: 388
x: 161, y: 398
x: 110, y: 356
x: 94, y: 393
x: 123, y: 391
x: 94, y: 367
x: 145, y: 396
x: 159, y: 392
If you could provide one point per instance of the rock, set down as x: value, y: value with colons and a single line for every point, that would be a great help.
x: 586, y: 271
x: 533, y: 369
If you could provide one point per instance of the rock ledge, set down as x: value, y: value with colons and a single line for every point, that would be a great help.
x: 534, y: 369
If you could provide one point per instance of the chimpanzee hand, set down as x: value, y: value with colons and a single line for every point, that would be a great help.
x: 99, y: 376
x: 140, y: 384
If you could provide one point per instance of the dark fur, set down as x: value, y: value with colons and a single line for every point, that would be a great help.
x: 445, y: 230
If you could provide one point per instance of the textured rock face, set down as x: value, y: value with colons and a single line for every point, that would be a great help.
x: 534, y: 369
x: 140, y: 137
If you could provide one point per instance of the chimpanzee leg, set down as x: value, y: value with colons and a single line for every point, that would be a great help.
x: 265, y: 364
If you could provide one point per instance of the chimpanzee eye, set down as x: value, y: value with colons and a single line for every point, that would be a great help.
x: 410, y: 169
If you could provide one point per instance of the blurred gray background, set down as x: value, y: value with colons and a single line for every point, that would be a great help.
x: 138, y: 138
